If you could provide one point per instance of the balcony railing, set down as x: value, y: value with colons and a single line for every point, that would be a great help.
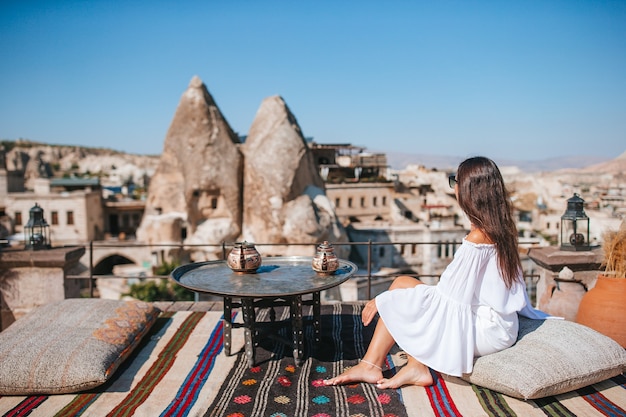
x: 365, y: 277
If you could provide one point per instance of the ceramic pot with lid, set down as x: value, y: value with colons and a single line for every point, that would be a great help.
x: 244, y: 258
x: 325, y: 260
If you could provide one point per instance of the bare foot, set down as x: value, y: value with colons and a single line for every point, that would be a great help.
x: 413, y: 373
x: 362, y: 372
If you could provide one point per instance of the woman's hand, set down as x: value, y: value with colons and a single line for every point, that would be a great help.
x: 369, y: 312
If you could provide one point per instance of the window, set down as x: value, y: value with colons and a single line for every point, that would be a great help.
x: 362, y: 201
x: 54, y: 218
x: 70, y: 217
x: 337, y: 202
x: 214, y: 203
x: 374, y: 201
x: 18, y: 218
x: 349, y: 201
x: 384, y: 201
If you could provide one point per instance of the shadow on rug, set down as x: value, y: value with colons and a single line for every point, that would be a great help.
x: 277, y: 388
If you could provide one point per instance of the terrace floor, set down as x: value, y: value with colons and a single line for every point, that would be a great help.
x: 181, y: 370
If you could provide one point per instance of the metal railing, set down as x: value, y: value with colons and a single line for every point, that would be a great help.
x: 366, y: 274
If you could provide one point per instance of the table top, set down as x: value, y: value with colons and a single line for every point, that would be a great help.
x: 276, y: 277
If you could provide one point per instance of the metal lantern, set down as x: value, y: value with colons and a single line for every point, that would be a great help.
x: 37, y: 231
x: 575, y: 226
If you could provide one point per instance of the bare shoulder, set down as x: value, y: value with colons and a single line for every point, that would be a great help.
x: 478, y: 236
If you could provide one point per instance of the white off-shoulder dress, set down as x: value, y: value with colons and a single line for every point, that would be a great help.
x: 469, y: 313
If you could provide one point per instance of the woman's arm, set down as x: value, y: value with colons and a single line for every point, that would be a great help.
x: 369, y: 312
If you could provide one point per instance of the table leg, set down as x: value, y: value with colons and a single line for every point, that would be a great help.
x: 297, y: 331
x: 228, y: 324
x: 249, y: 320
x: 316, y: 317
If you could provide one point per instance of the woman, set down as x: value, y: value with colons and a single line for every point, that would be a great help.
x: 472, y: 311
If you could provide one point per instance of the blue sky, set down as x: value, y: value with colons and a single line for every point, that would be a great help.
x: 509, y: 79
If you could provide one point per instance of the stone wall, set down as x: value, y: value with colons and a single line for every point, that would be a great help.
x: 29, y: 279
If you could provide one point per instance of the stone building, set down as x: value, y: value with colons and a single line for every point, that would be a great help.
x: 74, y: 217
x: 362, y: 201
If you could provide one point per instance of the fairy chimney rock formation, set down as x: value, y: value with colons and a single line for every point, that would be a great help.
x: 283, y: 194
x: 197, y: 184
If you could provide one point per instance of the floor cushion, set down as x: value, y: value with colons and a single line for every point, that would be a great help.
x: 71, y: 345
x: 550, y: 357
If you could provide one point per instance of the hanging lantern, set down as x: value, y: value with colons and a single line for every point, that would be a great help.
x: 37, y: 231
x: 575, y: 226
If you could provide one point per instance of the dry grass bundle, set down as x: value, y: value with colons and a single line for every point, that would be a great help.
x: 614, y: 246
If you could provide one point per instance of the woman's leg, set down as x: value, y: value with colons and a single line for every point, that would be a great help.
x: 370, y: 368
x: 413, y: 373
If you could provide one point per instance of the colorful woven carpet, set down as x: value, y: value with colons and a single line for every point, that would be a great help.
x: 179, y: 370
x: 276, y: 388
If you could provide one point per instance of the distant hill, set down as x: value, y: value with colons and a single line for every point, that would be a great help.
x: 614, y: 166
x: 399, y: 160
x: 38, y: 159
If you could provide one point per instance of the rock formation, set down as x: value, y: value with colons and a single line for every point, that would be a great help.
x: 199, y: 177
x: 283, y: 194
x: 39, y: 160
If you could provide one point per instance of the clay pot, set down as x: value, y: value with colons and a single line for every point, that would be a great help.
x: 603, y: 308
x: 565, y: 299
x: 244, y: 258
x: 325, y: 260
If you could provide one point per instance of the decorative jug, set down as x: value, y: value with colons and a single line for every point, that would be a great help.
x: 325, y: 261
x: 565, y: 299
x: 244, y: 258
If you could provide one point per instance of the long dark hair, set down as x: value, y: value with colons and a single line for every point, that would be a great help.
x: 482, y: 195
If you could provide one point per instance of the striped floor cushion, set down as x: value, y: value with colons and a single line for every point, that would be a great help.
x: 550, y: 357
x: 71, y: 345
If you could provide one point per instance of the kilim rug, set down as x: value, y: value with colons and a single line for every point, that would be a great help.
x: 277, y: 388
x: 179, y: 369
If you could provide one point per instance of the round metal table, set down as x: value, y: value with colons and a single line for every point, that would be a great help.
x: 279, y: 281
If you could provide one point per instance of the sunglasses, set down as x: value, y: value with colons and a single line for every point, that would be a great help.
x: 452, y: 180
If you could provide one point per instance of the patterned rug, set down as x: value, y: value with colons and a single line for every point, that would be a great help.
x: 277, y: 388
x: 179, y: 370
